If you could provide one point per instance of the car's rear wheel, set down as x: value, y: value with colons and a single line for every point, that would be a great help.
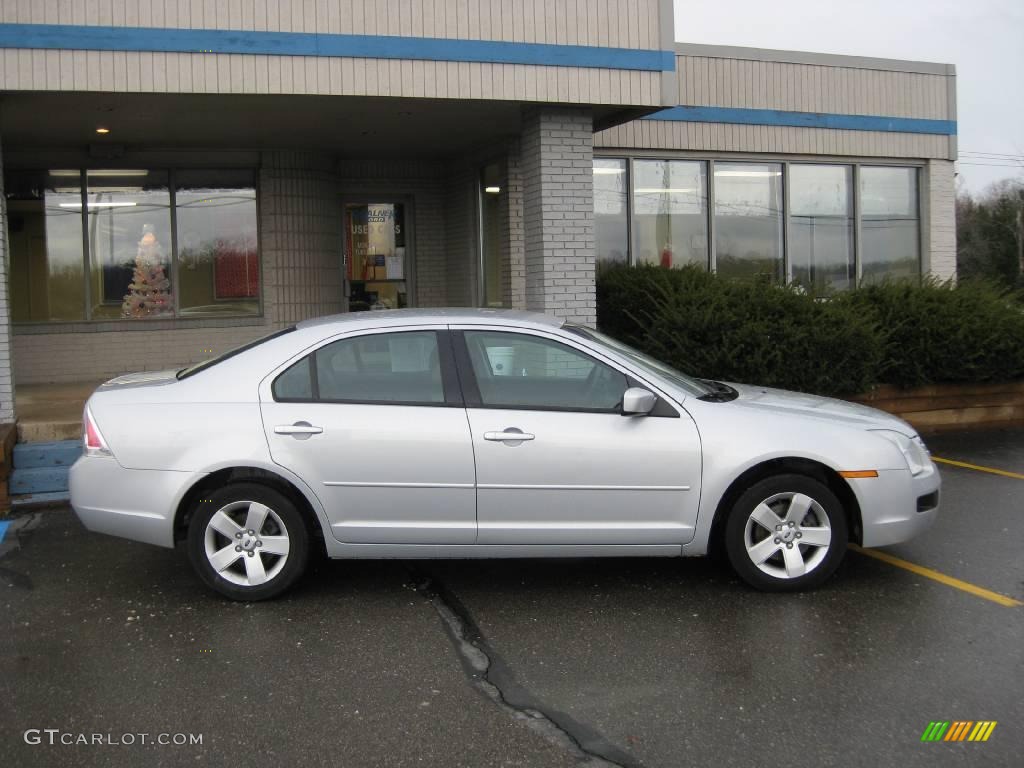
x: 248, y: 541
x: 786, y: 533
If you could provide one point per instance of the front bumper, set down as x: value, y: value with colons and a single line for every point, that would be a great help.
x: 889, y: 505
x: 134, y: 504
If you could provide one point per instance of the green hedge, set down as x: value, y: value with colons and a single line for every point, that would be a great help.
x: 779, y: 336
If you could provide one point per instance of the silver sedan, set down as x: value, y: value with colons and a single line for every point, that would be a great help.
x: 485, y: 433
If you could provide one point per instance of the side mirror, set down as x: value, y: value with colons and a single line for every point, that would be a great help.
x: 637, y: 401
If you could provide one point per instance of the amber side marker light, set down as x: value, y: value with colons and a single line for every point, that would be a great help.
x: 855, y: 473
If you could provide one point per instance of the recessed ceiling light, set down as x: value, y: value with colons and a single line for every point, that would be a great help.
x: 492, y: 190
x: 102, y: 130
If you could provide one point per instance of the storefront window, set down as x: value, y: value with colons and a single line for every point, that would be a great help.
x: 611, y: 233
x: 491, y: 238
x: 129, y: 232
x: 748, y: 220
x: 122, y: 258
x: 889, y: 224
x: 218, y: 262
x: 821, y: 250
x: 670, y: 213
x: 44, y: 221
x: 375, y: 244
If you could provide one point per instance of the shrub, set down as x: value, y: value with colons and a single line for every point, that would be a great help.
x: 894, y: 333
x: 741, y: 331
x: 938, y: 332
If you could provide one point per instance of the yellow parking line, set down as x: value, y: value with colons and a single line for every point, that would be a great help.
x: 990, y: 470
x: 942, y: 578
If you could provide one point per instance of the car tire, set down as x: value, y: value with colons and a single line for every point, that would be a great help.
x: 786, y: 533
x: 248, y: 542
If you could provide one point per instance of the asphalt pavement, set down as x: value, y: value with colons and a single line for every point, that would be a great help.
x: 522, y: 663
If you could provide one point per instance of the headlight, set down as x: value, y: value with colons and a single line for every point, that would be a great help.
x: 913, y: 449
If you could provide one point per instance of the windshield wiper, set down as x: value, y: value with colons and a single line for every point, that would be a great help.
x: 722, y: 393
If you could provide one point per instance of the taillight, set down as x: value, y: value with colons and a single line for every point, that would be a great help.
x: 95, y: 445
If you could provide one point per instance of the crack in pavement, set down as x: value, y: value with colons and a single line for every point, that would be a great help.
x: 491, y: 676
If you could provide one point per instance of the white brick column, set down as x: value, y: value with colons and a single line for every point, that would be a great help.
x: 6, y: 359
x: 941, y: 192
x: 557, y: 157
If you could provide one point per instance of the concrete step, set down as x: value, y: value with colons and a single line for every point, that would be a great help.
x: 61, y: 453
x: 38, y: 480
x: 48, y: 431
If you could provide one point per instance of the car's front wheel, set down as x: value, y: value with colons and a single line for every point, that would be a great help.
x: 786, y: 533
x: 248, y: 541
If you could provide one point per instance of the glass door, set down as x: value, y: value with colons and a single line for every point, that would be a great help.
x: 377, y: 256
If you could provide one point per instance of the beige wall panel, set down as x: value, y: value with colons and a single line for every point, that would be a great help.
x: 721, y: 137
x: 235, y: 73
x: 614, y: 23
x: 730, y: 82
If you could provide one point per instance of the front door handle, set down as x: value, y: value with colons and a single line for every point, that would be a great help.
x: 300, y: 430
x: 509, y: 436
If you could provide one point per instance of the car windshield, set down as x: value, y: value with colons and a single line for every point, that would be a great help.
x: 645, y: 362
x: 191, y: 370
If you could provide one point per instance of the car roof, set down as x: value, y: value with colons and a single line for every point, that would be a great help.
x: 445, y: 315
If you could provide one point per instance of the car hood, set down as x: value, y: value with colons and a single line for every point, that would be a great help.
x: 141, y: 379
x: 788, y: 403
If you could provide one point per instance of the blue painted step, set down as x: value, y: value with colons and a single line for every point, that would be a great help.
x: 39, y: 480
x: 62, y: 453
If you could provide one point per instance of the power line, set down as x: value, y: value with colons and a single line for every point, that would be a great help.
x: 992, y: 155
x: 995, y: 165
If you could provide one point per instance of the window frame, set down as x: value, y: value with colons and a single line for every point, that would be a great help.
x: 450, y: 383
x: 176, y: 318
x: 710, y: 158
x: 471, y: 389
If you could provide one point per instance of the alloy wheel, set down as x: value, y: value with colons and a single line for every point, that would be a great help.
x: 247, y: 543
x: 787, y: 535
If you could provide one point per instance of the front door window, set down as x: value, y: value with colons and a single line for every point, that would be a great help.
x: 376, y: 256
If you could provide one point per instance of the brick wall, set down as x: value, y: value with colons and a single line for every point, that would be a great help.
x: 558, y: 212
x: 6, y: 378
x: 941, y: 223
x: 513, y: 254
x: 460, y: 231
x: 300, y: 237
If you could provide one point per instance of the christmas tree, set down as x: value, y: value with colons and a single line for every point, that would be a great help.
x: 149, y: 291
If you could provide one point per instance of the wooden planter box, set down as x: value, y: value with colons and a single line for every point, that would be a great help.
x: 952, y: 406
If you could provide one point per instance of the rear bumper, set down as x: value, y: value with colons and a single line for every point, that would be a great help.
x: 136, y: 504
x: 889, y: 505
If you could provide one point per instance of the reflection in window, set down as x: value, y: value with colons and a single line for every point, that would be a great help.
x: 611, y: 234
x: 670, y: 213
x: 518, y: 371
x: 218, y: 262
x: 821, y: 249
x: 889, y: 224
x: 748, y: 219
x: 129, y: 233
x: 381, y: 368
x: 44, y: 221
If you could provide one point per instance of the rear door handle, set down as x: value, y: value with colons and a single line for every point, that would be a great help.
x: 509, y: 435
x: 300, y: 430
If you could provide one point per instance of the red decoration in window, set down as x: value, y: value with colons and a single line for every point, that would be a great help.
x: 236, y: 272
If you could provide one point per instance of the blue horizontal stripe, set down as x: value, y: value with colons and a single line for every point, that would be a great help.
x: 90, y: 38
x: 805, y: 120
